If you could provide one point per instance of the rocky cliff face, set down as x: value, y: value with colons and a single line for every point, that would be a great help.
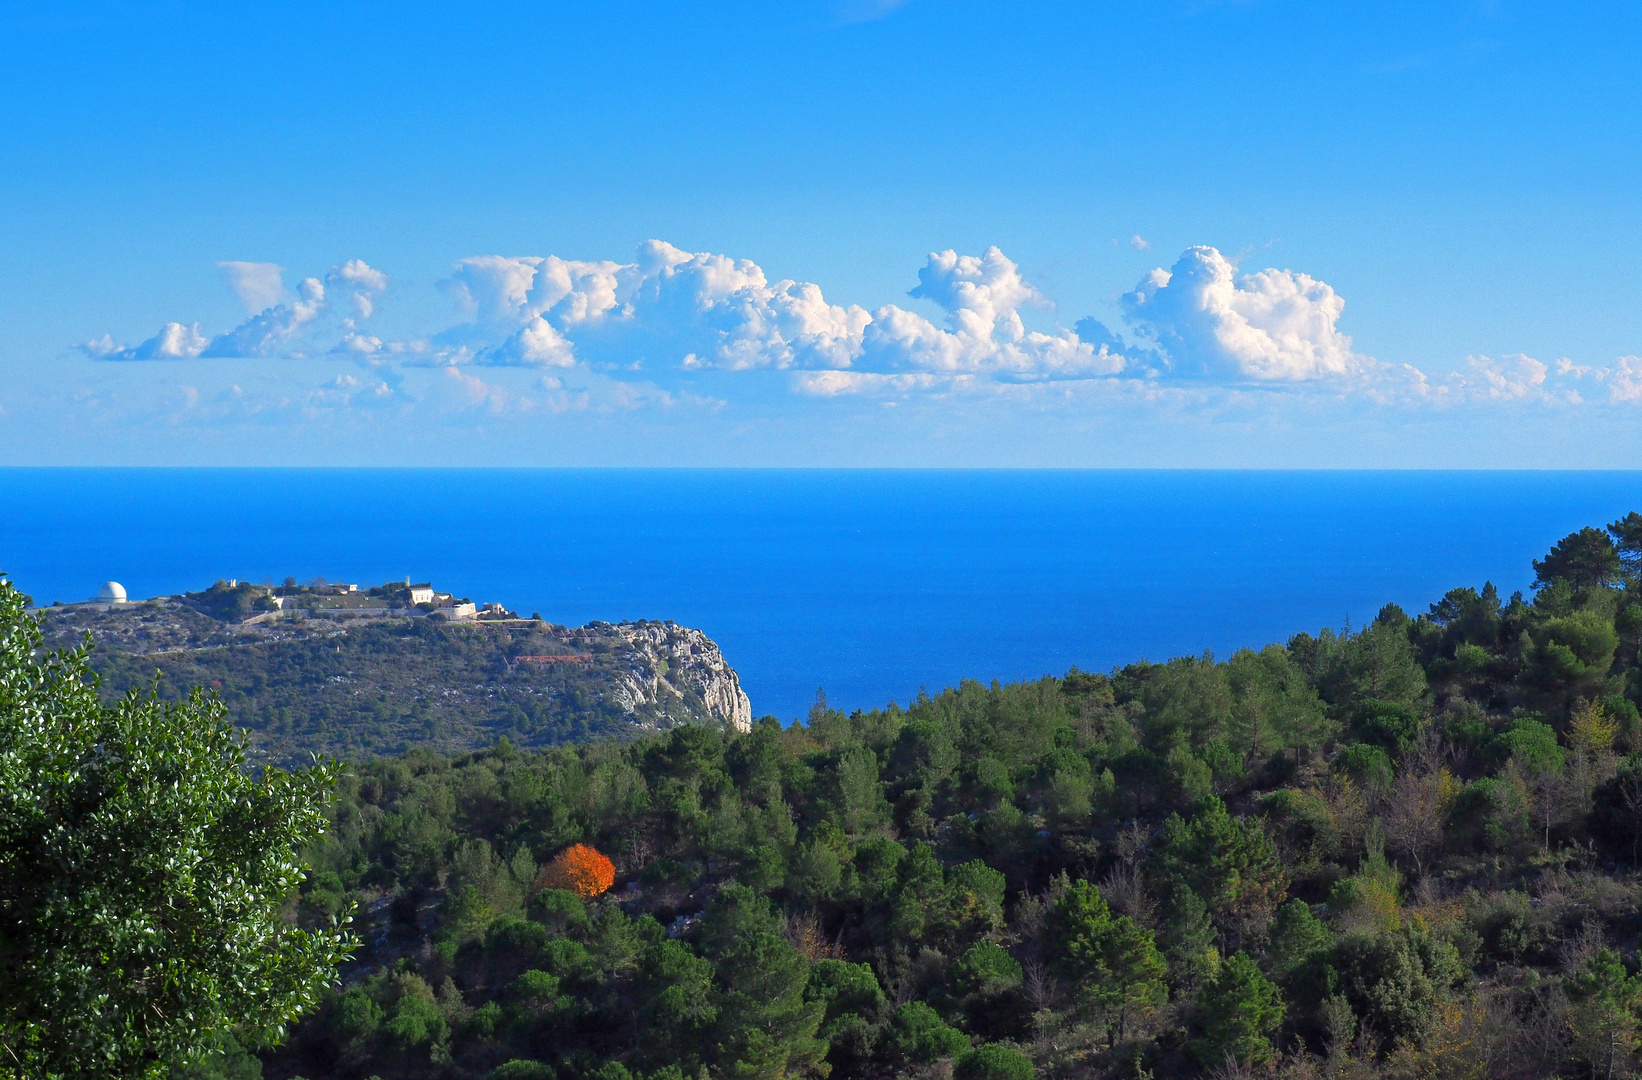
x: 686, y: 664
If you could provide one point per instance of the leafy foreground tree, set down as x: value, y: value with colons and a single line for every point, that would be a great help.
x: 143, y: 873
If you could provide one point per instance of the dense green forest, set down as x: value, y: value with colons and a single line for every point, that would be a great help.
x: 1408, y: 849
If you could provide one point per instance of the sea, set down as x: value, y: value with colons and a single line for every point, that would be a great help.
x: 867, y: 585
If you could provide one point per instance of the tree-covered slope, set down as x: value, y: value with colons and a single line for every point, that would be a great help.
x: 1407, y: 850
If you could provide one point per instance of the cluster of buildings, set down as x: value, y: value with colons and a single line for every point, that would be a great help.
x: 446, y: 606
x: 273, y: 600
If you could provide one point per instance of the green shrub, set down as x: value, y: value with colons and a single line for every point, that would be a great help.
x: 1366, y: 763
x: 918, y: 1034
x: 1386, y: 724
x: 976, y: 891
x: 1296, y: 936
x: 520, y: 1069
x: 1393, y: 979
x: 1488, y: 815
x: 994, y: 1061
x: 356, y: 1015
x: 559, y: 909
x: 415, y: 1020
x: 848, y: 990
x: 1531, y: 744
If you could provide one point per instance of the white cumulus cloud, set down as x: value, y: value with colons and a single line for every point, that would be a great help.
x: 361, y: 282
x: 678, y: 307
x: 699, y: 310
x: 174, y: 342
x: 1509, y: 378
x: 1269, y: 326
x: 536, y: 343
x: 982, y: 296
x: 1520, y: 378
x: 268, y: 333
x: 274, y: 329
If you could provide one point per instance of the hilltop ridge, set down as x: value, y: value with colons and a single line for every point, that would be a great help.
x: 314, y: 669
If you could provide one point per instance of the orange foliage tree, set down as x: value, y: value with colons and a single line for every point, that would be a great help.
x: 579, y: 868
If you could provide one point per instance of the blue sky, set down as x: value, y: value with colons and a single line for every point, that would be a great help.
x: 849, y: 232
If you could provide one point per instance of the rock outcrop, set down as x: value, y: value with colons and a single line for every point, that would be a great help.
x: 685, y: 662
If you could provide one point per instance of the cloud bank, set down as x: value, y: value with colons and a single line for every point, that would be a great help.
x: 669, y: 319
x: 675, y: 309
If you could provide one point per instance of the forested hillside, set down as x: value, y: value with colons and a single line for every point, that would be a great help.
x: 1404, y: 850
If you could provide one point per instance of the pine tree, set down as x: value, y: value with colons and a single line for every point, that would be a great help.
x: 1113, y: 964
x: 1237, y: 1012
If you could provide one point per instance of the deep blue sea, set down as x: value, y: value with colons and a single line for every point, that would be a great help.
x: 869, y: 584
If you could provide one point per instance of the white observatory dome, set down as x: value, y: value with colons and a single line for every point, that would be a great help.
x: 112, y: 592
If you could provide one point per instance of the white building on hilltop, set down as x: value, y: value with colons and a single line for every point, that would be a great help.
x: 112, y: 592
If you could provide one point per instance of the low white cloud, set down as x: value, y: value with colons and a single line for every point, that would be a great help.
x: 489, y: 397
x: 174, y: 342
x: 1269, y: 326
x: 1520, y: 378
x: 1509, y: 378
x: 667, y: 310
x: 495, y: 288
x: 258, y: 285
x: 274, y: 329
x: 349, y: 391
x: 269, y: 333
x: 788, y: 325
x: 1625, y: 380
x: 839, y: 383
x: 98, y: 348
x: 982, y: 296
x: 358, y: 345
